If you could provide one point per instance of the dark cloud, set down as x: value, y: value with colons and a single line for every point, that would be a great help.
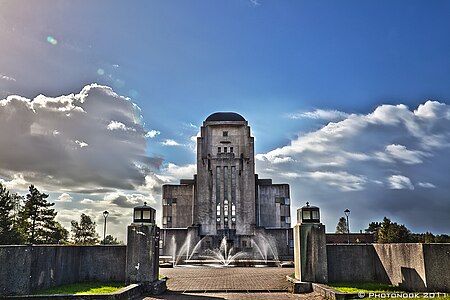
x: 128, y: 200
x: 93, y: 140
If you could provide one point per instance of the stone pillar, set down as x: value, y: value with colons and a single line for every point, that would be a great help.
x: 143, y: 249
x: 143, y: 255
x: 310, y: 252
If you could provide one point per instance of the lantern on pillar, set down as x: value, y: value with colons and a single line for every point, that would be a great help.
x: 308, y: 214
x: 144, y: 214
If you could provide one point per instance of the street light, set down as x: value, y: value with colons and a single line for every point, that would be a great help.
x: 105, y: 215
x: 347, y: 213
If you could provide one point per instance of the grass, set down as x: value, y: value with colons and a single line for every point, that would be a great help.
x: 355, y: 287
x: 83, y: 288
x: 374, y: 287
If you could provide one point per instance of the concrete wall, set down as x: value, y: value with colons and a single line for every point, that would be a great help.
x: 437, y: 266
x: 180, y: 213
x: 28, y: 268
x: 351, y: 263
x: 404, y: 264
x: 416, y: 267
x: 269, y: 212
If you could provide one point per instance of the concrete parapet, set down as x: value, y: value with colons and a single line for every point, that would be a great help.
x: 413, y: 267
x: 25, y: 269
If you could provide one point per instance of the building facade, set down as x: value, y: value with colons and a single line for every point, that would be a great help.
x: 226, y: 198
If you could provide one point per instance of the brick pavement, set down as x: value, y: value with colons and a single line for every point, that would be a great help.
x: 190, y: 283
x: 200, y: 279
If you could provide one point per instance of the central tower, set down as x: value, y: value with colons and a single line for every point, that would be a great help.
x: 225, y: 176
x: 225, y: 200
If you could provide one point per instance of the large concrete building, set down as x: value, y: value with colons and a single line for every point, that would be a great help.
x: 226, y: 198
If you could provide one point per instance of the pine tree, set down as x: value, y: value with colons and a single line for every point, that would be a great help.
x: 373, y: 228
x: 390, y: 232
x: 341, y: 226
x: 84, y: 233
x: 9, y: 233
x: 38, y: 220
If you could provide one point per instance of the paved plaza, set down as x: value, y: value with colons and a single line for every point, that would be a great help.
x: 182, y: 279
x: 186, y: 283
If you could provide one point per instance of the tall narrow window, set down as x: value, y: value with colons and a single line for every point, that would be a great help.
x: 219, y: 149
x: 218, y: 185
x: 233, y: 184
x: 225, y: 149
x: 233, y: 194
x: 225, y: 196
x: 225, y: 184
x: 231, y: 149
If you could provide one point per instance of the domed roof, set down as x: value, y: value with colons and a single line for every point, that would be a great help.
x: 225, y: 116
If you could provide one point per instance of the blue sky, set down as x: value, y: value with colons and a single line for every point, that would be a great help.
x: 289, y: 67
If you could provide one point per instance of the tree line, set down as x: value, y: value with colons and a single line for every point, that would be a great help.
x: 30, y: 219
x: 387, y: 231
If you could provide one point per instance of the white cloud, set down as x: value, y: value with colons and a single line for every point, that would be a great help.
x: 342, y: 180
x: 426, y: 185
x: 115, y: 125
x: 152, y: 133
x: 433, y: 110
x: 361, y: 138
x: 320, y: 114
x: 401, y: 153
x: 400, y: 182
x: 81, y: 144
x: 174, y: 172
x: 88, y: 201
x: 8, y: 78
x: 170, y: 143
x: 375, y: 163
x: 192, y: 143
x: 64, y: 197
x: 17, y: 182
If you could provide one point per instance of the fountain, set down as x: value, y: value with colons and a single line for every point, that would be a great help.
x: 266, y: 247
x: 263, y: 253
x: 223, y: 255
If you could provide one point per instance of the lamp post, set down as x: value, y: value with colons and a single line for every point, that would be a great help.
x: 105, y: 215
x: 347, y: 213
